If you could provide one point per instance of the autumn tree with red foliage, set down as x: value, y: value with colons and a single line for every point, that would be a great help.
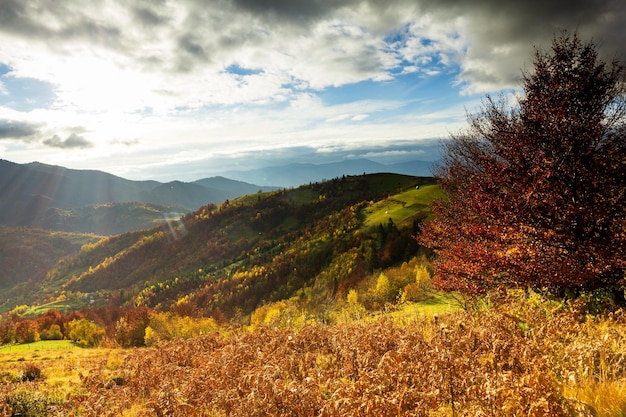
x: 536, y: 193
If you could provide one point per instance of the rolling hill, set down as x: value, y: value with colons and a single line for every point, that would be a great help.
x: 26, y: 255
x: 230, y: 258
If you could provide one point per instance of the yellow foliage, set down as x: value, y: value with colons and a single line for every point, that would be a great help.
x: 353, y: 297
x: 420, y: 289
x: 383, y: 287
x: 167, y: 326
x: 272, y: 314
x: 279, y: 314
x: 19, y: 310
x: 422, y: 276
x: 85, y: 333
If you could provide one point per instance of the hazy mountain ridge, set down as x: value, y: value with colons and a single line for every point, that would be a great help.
x: 108, y: 218
x: 296, y: 174
x: 46, y: 196
x: 58, y: 198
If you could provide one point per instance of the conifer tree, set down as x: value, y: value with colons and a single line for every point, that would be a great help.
x: 536, y: 192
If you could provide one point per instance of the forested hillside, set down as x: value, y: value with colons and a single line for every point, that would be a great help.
x: 26, y: 255
x: 228, y: 259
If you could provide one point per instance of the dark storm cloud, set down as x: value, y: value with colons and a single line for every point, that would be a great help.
x: 54, y: 21
x: 149, y: 14
x: 289, y: 9
x: 504, y: 21
x: 11, y: 129
x: 502, y: 34
x: 14, y: 17
x: 538, y: 19
x: 73, y: 141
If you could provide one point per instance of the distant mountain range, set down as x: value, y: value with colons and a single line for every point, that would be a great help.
x: 294, y: 175
x: 53, y: 197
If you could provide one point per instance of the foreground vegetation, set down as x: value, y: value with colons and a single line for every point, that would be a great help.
x: 517, y: 354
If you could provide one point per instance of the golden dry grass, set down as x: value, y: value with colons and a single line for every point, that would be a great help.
x: 521, y: 356
x: 62, y: 367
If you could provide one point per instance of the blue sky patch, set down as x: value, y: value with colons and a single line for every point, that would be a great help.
x: 242, y: 71
x: 24, y: 94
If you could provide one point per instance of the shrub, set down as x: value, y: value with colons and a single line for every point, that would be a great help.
x: 167, y: 326
x: 419, y: 290
x: 53, y: 333
x: 31, y: 372
x: 85, y: 333
x: 24, y: 402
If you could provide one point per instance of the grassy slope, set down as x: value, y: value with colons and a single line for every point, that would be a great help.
x: 402, y: 207
x: 63, y: 368
x: 34, y: 349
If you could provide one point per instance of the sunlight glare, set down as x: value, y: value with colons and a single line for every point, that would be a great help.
x: 93, y: 84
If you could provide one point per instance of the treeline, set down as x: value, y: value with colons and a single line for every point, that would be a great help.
x: 113, y: 326
x: 53, y: 325
x: 346, y: 298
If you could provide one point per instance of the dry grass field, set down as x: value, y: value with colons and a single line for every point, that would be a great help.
x: 520, y: 356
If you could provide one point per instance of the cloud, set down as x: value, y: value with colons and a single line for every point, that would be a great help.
x: 73, y: 141
x: 149, y: 14
x: 501, y: 35
x: 12, y: 129
x: 125, y: 142
x: 182, y: 48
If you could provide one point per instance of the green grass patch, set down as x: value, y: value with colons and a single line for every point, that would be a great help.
x: 439, y: 304
x: 43, y: 345
x: 64, y: 306
x: 249, y: 199
x: 402, y: 207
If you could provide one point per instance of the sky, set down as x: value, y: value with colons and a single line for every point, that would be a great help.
x: 165, y: 90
